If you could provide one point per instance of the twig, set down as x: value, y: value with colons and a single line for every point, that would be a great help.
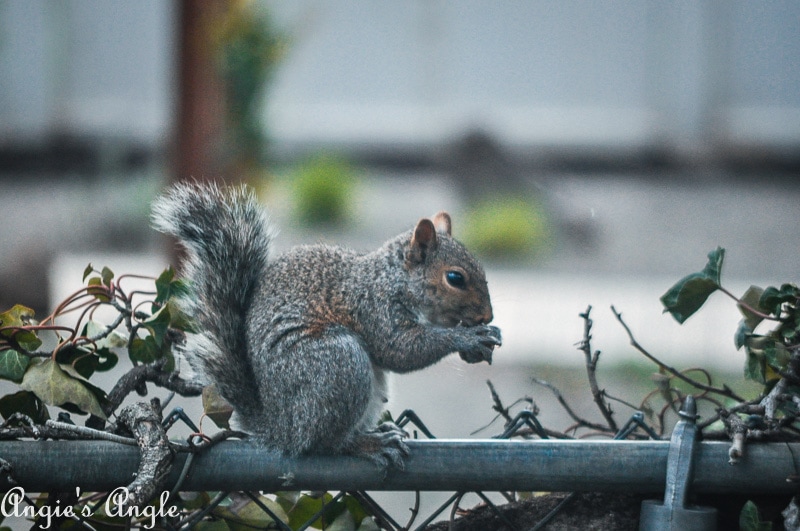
x: 621, y: 401
x: 591, y: 370
x: 82, y: 432
x: 579, y: 421
x: 737, y: 430
x: 751, y: 407
x: 503, y: 411
x: 498, y: 404
x: 724, y: 391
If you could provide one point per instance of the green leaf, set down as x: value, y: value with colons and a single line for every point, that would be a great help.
x: 304, y: 507
x: 158, y: 324
x: 26, y: 403
x: 755, y: 366
x: 86, y: 362
x: 54, y: 386
x: 246, y: 515
x: 749, y: 519
x: 144, y: 350
x: 773, y: 299
x: 355, y: 508
x: 13, y: 365
x: 96, y: 356
x: 19, y: 316
x: 216, y: 408
x: 96, y: 288
x: 112, y: 339
x: 777, y: 357
x: 106, y: 276
x: 88, y: 271
x: 343, y: 522
x: 751, y: 299
x: 743, y: 331
x: 179, y: 319
x: 690, y: 293
x: 168, y: 286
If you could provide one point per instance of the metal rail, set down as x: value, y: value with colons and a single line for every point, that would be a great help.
x: 434, y: 465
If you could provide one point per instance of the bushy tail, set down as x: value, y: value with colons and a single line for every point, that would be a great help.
x: 227, y: 238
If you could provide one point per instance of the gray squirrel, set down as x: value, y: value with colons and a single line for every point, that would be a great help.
x: 299, y: 344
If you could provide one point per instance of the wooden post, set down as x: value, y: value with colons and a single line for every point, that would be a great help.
x: 200, y: 123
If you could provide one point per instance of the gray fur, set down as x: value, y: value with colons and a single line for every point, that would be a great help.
x: 299, y: 344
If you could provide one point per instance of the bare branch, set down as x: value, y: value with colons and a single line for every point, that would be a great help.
x: 724, y: 391
x: 579, y: 421
x: 152, y: 372
x: 591, y: 370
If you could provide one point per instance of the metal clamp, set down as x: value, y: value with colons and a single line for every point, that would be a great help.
x: 673, y: 513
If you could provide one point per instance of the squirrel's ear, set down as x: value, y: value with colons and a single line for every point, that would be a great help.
x: 423, y: 240
x: 443, y: 223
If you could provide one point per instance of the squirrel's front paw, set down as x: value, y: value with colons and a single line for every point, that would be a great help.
x: 485, y: 338
x: 384, y: 446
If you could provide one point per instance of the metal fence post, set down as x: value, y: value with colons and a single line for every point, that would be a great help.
x: 674, y: 513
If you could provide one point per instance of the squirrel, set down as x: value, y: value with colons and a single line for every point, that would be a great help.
x: 299, y: 344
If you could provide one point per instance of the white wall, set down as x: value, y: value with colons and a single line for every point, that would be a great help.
x: 691, y: 75
x: 100, y: 67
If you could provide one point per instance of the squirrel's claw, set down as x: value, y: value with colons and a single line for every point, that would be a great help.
x: 488, y: 337
x: 384, y: 446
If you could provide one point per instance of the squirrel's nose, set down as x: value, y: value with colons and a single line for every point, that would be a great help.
x: 487, y: 317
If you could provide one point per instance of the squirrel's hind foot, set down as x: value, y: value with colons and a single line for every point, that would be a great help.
x: 384, y: 446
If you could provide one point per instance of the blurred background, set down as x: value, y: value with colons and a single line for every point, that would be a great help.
x: 592, y: 153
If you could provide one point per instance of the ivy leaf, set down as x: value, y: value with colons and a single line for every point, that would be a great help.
x: 145, y: 350
x: 690, y: 293
x: 743, y: 331
x: 303, y: 508
x: 96, y: 288
x: 245, y: 514
x: 88, y: 271
x: 86, y: 362
x: 54, y: 386
x: 217, y: 408
x: 179, y: 319
x: 772, y: 299
x: 751, y: 299
x: 19, y: 316
x: 112, y: 339
x: 344, y: 522
x: 167, y: 286
x: 755, y: 367
x: 777, y: 357
x: 26, y: 403
x: 355, y: 508
x: 749, y: 519
x: 158, y: 324
x: 106, y: 275
x: 13, y: 365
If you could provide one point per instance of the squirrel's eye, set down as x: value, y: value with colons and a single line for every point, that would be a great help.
x: 456, y: 279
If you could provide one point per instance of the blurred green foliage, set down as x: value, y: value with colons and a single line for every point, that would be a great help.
x: 323, y: 188
x: 249, y: 49
x: 506, y: 227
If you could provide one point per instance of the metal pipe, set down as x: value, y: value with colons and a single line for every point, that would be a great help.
x: 434, y: 465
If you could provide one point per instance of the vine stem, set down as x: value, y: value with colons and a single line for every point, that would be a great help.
x: 724, y: 391
x: 746, y: 306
